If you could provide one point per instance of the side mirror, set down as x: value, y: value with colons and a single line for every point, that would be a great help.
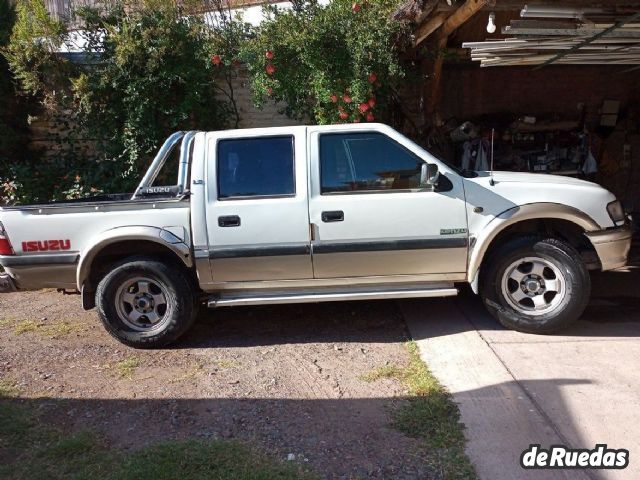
x: 429, y: 175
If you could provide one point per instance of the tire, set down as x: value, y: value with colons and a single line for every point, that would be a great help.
x: 145, y: 303
x: 512, y: 273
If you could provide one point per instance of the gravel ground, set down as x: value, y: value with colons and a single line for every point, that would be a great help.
x: 285, y: 379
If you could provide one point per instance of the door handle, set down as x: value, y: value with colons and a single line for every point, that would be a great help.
x: 333, y: 216
x: 229, y: 221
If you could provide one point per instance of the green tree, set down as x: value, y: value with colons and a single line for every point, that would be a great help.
x: 329, y: 63
x: 144, y: 71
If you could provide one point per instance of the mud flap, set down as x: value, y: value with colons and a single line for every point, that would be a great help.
x: 88, y: 299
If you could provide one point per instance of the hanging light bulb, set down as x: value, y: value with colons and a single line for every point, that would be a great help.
x: 491, y: 26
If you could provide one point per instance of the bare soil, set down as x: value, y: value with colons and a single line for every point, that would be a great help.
x: 284, y: 379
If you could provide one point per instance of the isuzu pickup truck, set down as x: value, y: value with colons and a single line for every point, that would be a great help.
x: 310, y: 214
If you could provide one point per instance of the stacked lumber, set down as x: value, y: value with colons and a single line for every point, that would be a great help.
x: 563, y: 37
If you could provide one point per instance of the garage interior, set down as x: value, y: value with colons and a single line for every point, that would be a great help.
x: 555, y: 85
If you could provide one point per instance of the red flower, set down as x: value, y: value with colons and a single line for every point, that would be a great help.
x: 372, y: 77
x: 355, y: 7
x: 363, y: 107
x: 270, y: 69
x: 346, y: 98
x: 269, y: 54
x: 269, y: 91
x: 370, y: 117
x: 344, y: 115
x: 216, y: 60
x: 372, y: 102
x: 334, y: 98
x: 236, y: 62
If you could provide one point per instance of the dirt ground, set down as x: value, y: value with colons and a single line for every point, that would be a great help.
x: 284, y: 379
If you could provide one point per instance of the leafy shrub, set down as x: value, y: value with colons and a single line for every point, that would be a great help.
x: 332, y: 63
x: 13, y: 119
x: 145, y: 71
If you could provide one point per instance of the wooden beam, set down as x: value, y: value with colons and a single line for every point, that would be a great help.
x: 428, y: 27
x: 426, y: 11
x: 461, y: 15
x: 447, y: 23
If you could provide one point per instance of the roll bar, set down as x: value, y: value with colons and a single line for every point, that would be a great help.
x: 185, y: 157
x: 161, y: 158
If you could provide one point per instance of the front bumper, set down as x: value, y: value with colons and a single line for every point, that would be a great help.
x: 612, y: 246
x: 6, y: 283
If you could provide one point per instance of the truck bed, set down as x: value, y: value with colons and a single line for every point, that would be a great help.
x: 97, y: 200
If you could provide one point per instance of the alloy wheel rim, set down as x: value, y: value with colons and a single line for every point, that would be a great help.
x: 142, y: 304
x: 534, y: 286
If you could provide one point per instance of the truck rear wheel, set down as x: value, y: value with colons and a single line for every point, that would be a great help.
x: 146, y: 303
x: 536, y: 285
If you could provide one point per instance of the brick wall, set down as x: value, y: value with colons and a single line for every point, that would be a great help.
x: 470, y: 91
x: 47, y: 132
x: 250, y: 116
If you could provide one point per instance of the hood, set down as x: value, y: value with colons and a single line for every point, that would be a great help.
x: 512, y: 189
x: 525, y: 177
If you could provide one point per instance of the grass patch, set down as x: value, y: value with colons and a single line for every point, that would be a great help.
x: 26, y: 326
x: 227, y: 363
x: 429, y: 414
x: 8, y: 388
x: 36, y: 450
x: 127, y: 367
x: 191, y: 372
x: 4, y: 322
x: 47, y: 329
x: 387, y: 371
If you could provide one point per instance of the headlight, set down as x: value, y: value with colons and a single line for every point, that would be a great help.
x: 616, y: 212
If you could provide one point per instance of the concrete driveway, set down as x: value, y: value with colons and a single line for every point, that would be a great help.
x: 577, y: 389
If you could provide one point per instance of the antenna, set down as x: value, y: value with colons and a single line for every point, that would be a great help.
x: 491, y: 182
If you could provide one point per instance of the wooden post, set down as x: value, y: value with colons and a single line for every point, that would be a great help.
x: 444, y: 27
x: 433, y: 99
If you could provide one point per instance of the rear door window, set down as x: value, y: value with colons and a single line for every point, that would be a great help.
x: 255, y: 167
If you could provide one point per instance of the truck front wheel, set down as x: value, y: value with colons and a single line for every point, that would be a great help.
x: 535, y: 284
x: 145, y: 303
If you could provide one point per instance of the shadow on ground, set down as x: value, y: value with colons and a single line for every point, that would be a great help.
x: 334, y: 437
x: 296, y: 323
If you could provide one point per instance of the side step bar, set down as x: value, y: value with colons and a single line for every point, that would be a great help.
x: 306, y: 297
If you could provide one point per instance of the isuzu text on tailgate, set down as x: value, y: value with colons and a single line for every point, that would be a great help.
x: 308, y: 214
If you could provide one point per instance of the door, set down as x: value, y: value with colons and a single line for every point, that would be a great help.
x: 369, y: 215
x: 257, y: 214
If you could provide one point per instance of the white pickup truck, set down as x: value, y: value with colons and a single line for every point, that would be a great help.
x: 309, y: 214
